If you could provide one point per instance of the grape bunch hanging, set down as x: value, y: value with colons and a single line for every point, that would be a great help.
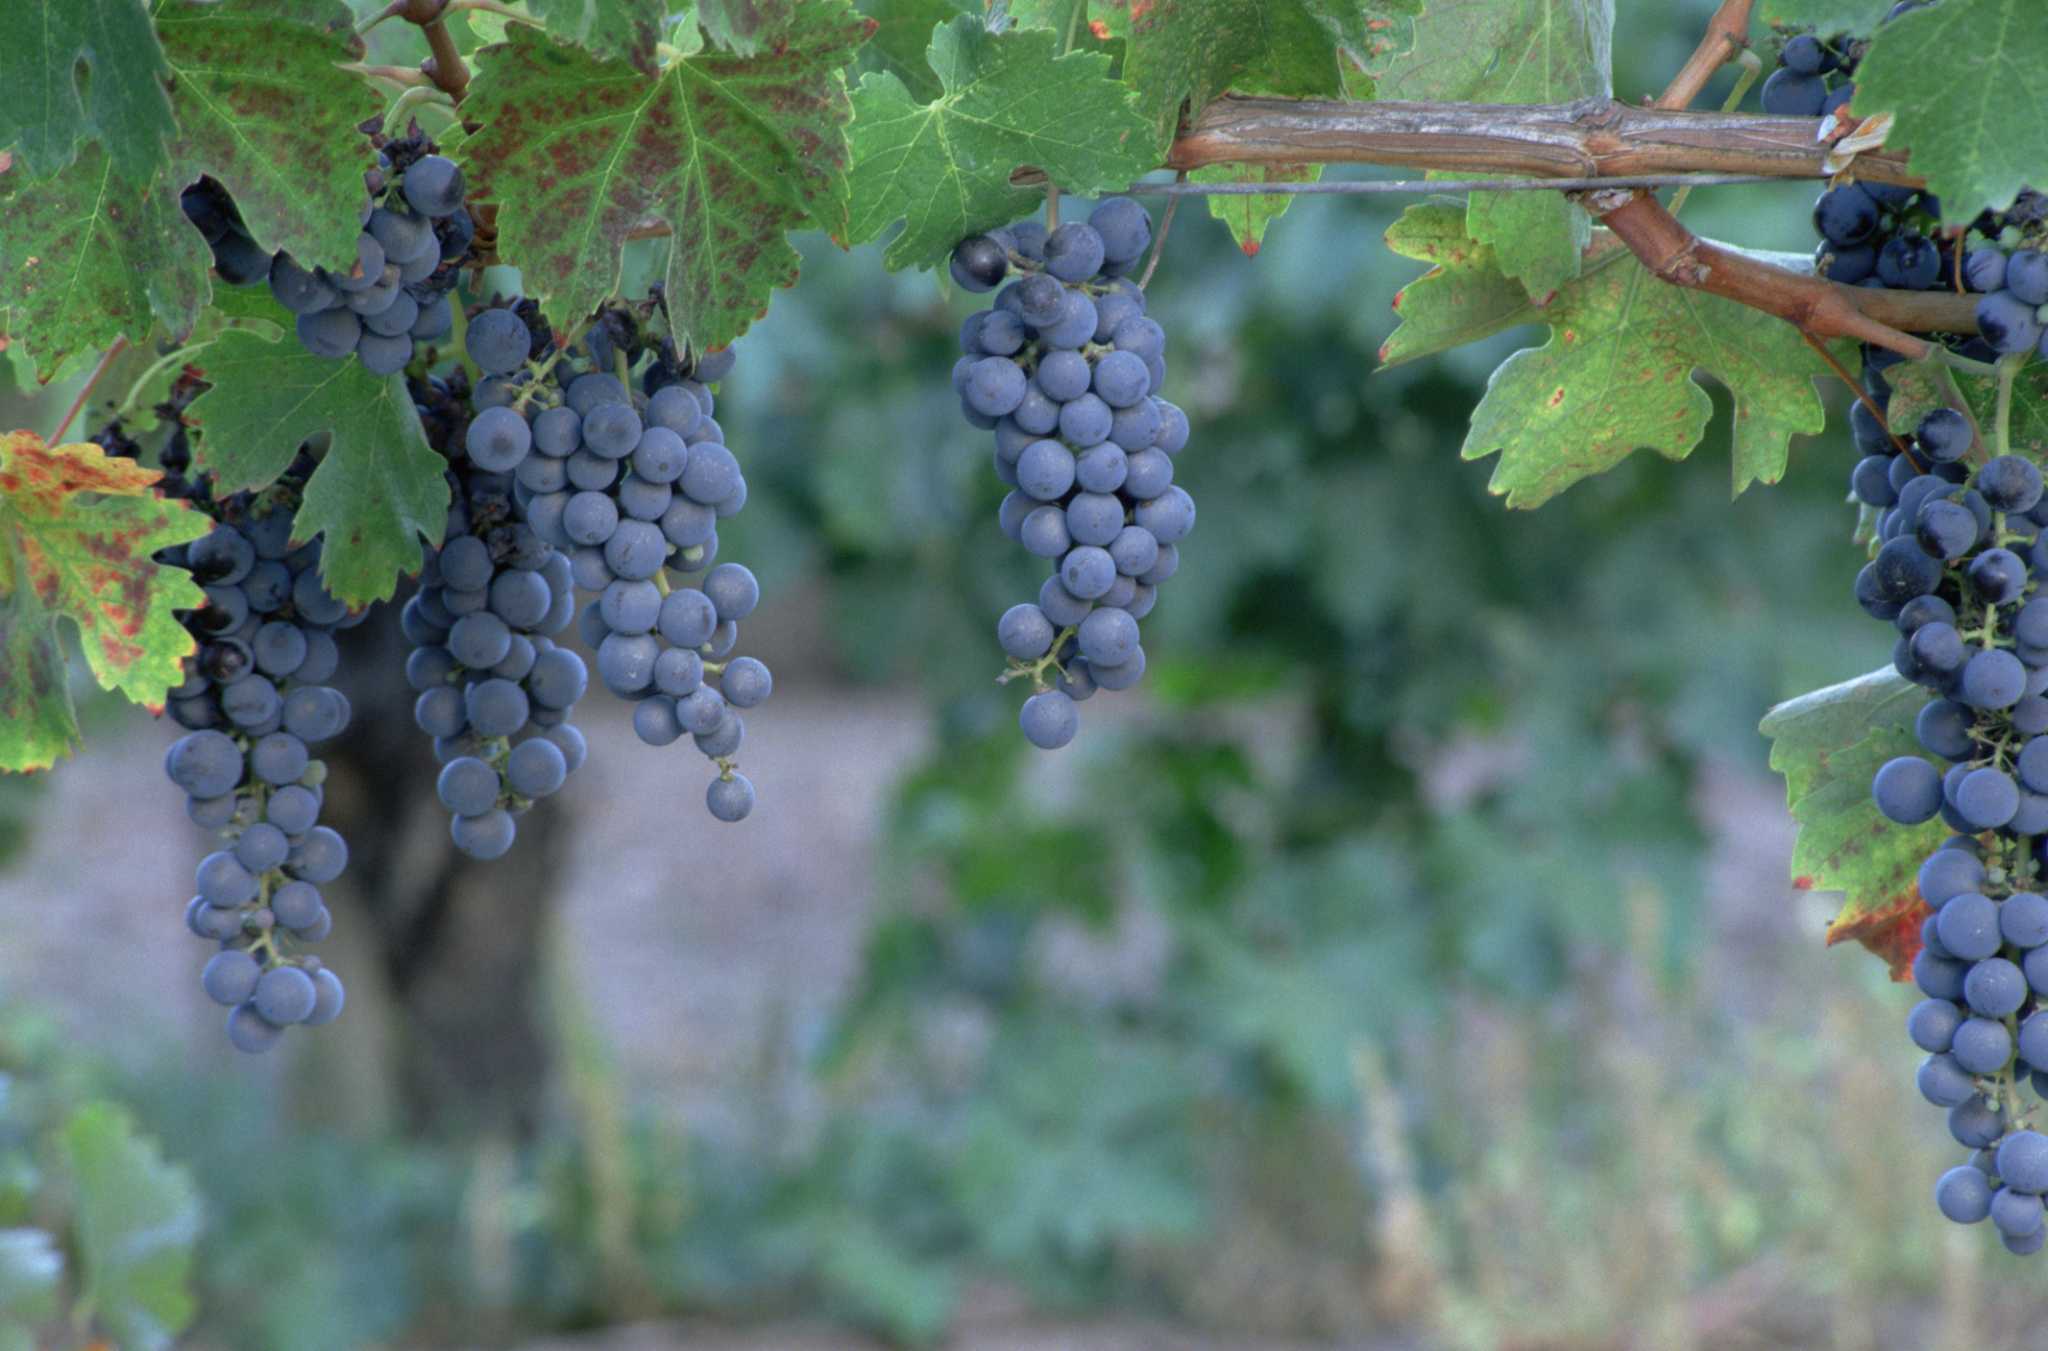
x: 1957, y: 564
x: 1065, y: 368
x: 254, y: 702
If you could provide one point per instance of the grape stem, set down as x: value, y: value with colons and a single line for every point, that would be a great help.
x: 412, y: 98
x: 1035, y: 670
x: 1726, y: 39
x: 2001, y: 428
x: 1159, y: 242
x: 1863, y: 397
x: 107, y: 359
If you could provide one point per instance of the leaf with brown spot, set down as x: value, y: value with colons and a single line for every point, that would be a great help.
x: 1829, y: 745
x: 1614, y: 375
x: 379, y: 490
x: 1462, y: 298
x: 77, y: 528
x: 733, y: 152
x: 86, y: 258
x: 264, y: 106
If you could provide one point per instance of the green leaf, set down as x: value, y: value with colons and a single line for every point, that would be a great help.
x: 77, y: 528
x: 738, y: 25
x: 1513, y: 51
x: 1828, y: 745
x: 944, y: 167
x: 1606, y: 383
x: 86, y: 258
x: 138, y: 1220
x: 1248, y: 217
x: 1462, y: 298
x: 732, y: 152
x: 263, y: 106
x: 610, y: 30
x: 1191, y: 51
x: 1826, y: 17
x: 44, y: 116
x: 379, y: 490
x: 903, y: 30
x: 1923, y: 385
x: 1963, y: 79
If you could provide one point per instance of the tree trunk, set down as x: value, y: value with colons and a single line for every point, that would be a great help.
x: 458, y: 941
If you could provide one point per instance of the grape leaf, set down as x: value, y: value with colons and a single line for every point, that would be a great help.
x: 44, y: 115
x: 737, y: 25
x: 263, y: 106
x: 1191, y: 51
x: 903, y: 30
x: 610, y: 30
x: 86, y: 258
x: 77, y: 528
x: 1828, y: 745
x: 944, y: 167
x: 1827, y: 17
x: 1248, y: 217
x: 1513, y: 51
x: 1963, y: 80
x: 138, y: 1223
x: 1922, y: 385
x: 733, y: 152
x: 1605, y: 382
x: 1462, y: 298
x: 378, y: 491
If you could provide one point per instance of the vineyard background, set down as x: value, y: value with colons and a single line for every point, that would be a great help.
x: 1409, y: 964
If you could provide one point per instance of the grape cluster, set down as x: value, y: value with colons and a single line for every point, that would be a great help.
x: 394, y: 293
x: 2015, y: 298
x: 254, y: 702
x: 1065, y: 368
x: 1873, y: 234
x: 1957, y: 571
x: 629, y: 490
x: 495, y: 692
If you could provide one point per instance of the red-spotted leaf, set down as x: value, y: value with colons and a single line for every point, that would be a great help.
x: 1462, y: 298
x: 1612, y: 377
x: 77, y: 528
x: 732, y: 152
x: 379, y: 490
x: 1828, y: 745
x: 264, y: 106
x: 1248, y: 216
x: 86, y: 258
x: 45, y: 113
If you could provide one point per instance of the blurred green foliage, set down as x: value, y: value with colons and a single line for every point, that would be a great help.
x: 1387, y: 887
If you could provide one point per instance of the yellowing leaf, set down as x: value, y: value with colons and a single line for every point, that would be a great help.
x: 1828, y: 745
x: 77, y: 528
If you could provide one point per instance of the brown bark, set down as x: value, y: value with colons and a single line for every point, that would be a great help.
x: 1727, y: 33
x: 1591, y: 138
x: 1813, y: 304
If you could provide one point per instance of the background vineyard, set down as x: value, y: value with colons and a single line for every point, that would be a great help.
x: 1412, y: 965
